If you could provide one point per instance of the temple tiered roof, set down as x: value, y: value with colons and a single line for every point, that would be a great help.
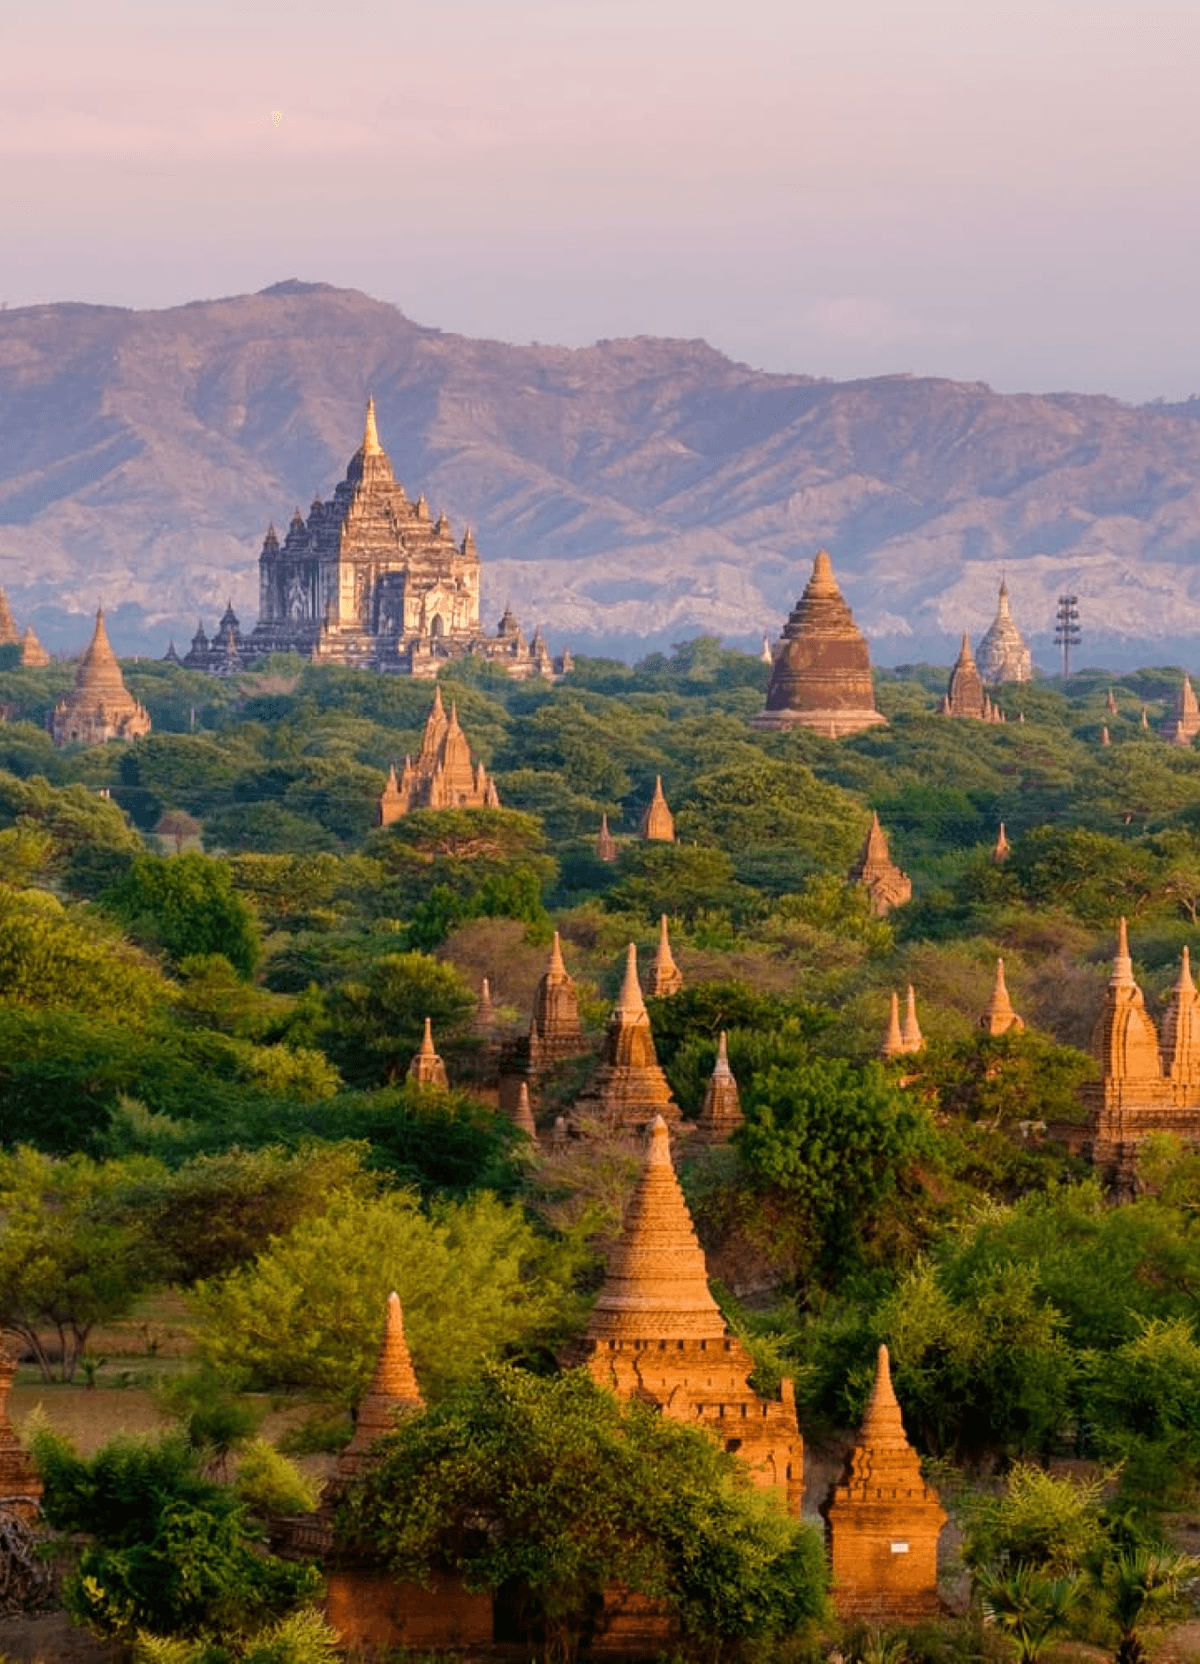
x: 1003, y: 656
x: 875, y: 870
x: 628, y: 1088
x: 965, y: 696
x: 100, y: 706
x: 442, y: 775
x: 392, y: 1392
x: 665, y: 976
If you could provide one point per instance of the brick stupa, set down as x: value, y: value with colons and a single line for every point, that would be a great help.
x: 441, y: 776
x: 883, y: 1521
x: 658, y: 823
x: 99, y: 707
x: 875, y: 870
x: 20, y: 1487
x: 656, y: 1334
x: 665, y: 976
x: 427, y: 1068
x: 606, y: 844
x: 555, y: 1033
x: 1184, y: 725
x: 965, y: 696
x: 393, y: 1391
x: 821, y: 670
x: 721, y: 1112
x: 628, y: 1089
x: 999, y: 1017
x: 1002, y: 849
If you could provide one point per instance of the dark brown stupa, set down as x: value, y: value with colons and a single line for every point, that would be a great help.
x: 883, y: 1521
x: 879, y: 875
x: 628, y: 1088
x: 657, y: 1334
x: 821, y: 675
x: 721, y: 1112
x: 554, y: 1034
x: 606, y: 844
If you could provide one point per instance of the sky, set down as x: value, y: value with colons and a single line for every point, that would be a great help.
x: 994, y: 190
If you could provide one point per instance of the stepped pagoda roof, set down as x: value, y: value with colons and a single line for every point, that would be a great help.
x: 1003, y: 655
x: 821, y: 668
x: 665, y: 976
x: 393, y: 1390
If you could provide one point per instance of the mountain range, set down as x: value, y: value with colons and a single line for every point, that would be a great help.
x: 623, y: 495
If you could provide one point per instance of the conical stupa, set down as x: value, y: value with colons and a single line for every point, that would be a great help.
x: 914, y: 1040
x: 883, y: 1521
x: 665, y: 976
x: 100, y: 706
x: 555, y: 1033
x: 721, y: 1111
x: 1184, y: 725
x: 628, y: 1088
x: 893, y: 1036
x: 427, y: 1068
x: 887, y: 886
x: 658, y: 823
x: 821, y: 670
x: 656, y: 1334
x: 523, y: 1114
x: 965, y: 696
x: 33, y: 655
x: 1180, y: 1044
x: 1000, y: 1018
x: 1003, y: 656
x: 9, y: 634
x: 1124, y: 1040
x: 606, y: 844
x: 1003, y: 848
x: 393, y: 1392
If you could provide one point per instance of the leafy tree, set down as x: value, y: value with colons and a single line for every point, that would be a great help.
x: 473, y: 1278
x: 51, y: 955
x: 177, y: 826
x: 553, y: 1489
x: 1028, y: 1607
x: 839, y: 1146
x: 65, y: 1264
x: 1145, y: 1396
x: 682, y: 880
x: 186, y: 905
x: 1007, y: 1078
x: 1095, y: 876
x: 265, y: 829
x: 169, y: 1551
x: 1140, y: 1586
x: 1053, y: 1523
x: 373, y: 1024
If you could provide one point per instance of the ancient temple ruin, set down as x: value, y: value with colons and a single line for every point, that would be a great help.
x: 555, y: 1034
x: 902, y: 1039
x: 656, y: 1334
x: 999, y: 1017
x: 606, y: 844
x: 883, y: 1521
x: 33, y: 655
x: 393, y: 1392
x: 225, y: 653
x: 99, y: 707
x: 1147, y: 1083
x: 372, y: 579
x: 427, y: 1068
x: 658, y: 823
x: 628, y: 1088
x: 20, y: 1487
x: 965, y: 696
x: 1003, y: 655
x: 442, y: 775
x: 821, y: 672
x: 1183, y: 726
x: 875, y: 870
x: 721, y: 1112
x: 665, y: 976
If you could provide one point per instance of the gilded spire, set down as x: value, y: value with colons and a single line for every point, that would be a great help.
x: 657, y: 1282
x: 370, y: 444
x: 893, y: 1039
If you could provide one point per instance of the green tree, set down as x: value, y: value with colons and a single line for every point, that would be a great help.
x: 474, y: 1279
x: 554, y: 1489
x: 682, y: 880
x: 186, y: 905
x: 1028, y: 1607
x: 373, y: 1024
x: 1139, y: 1587
x: 51, y: 955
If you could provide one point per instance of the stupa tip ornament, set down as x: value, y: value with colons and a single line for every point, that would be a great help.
x: 821, y: 667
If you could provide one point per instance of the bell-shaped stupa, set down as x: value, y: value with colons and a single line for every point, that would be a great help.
x: 99, y: 707
x: 427, y: 1068
x: 656, y: 1334
x: 1002, y: 655
x: 999, y: 1017
x: 821, y: 674
x: 882, y: 1520
x: 721, y: 1112
x: 665, y: 976
x: 393, y: 1391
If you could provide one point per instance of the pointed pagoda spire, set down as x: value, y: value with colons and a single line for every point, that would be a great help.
x: 1181, y: 1027
x: 628, y: 1086
x: 100, y: 707
x: 8, y: 624
x: 1110, y: 703
x: 721, y: 1111
x: 629, y: 1001
x: 1003, y: 848
x: 1122, y: 968
x: 887, y: 886
x: 523, y: 1115
x: 658, y: 823
x: 665, y: 976
x: 427, y: 1068
x: 606, y: 844
x: 657, y: 1281
x: 35, y: 657
x: 893, y: 1039
x: 370, y: 444
x: 1145, y: 718
x: 392, y: 1392
x: 1104, y: 735
x: 965, y: 696
x: 914, y: 1040
x: 999, y: 1017
x: 485, y: 1012
x: 555, y: 1031
x: 883, y: 1426
x: 766, y: 655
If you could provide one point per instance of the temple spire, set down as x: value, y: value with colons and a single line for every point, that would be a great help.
x: 370, y: 444
x: 893, y: 1039
x: 392, y: 1391
x: 1003, y: 848
x: 665, y: 976
x: 1122, y: 969
x: 999, y: 1017
x: 914, y: 1040
x: 630, y: 1002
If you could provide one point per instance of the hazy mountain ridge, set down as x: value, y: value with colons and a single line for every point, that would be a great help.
x: 633, y: 489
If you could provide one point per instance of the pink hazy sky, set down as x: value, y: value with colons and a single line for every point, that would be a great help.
x: 993, y: 189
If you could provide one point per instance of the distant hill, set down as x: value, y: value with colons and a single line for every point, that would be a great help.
x: 623, y: 495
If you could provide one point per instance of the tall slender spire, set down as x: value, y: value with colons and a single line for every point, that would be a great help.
x: 665, y: 976
x: 370, y: 444
x: 523, y: 1114
x: 1122, y: 968
x: 999, y: 1017
x: 893, y: 1039
x: 427, y: 1068
x: 721, y: 1111
x: 606, y: 844
x: 628, y: 1087
x: 914, y: 1040
x: 1003, y: 848
x: 658, y: 823
x: 629, y: 1001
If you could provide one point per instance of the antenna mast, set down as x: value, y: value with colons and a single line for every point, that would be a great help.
x: 1066, y: 629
